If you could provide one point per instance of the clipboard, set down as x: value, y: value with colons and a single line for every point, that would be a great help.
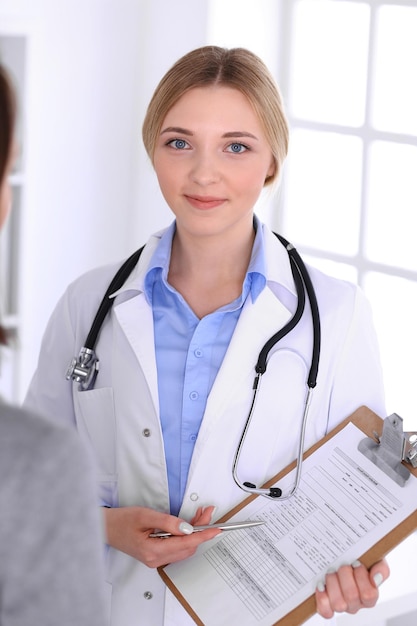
x: 368, y: 422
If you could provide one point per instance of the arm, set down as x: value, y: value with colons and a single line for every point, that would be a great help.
x: 358, y: 378
x: 127, y: 527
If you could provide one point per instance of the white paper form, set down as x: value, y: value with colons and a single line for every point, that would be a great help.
x: 344, y: 505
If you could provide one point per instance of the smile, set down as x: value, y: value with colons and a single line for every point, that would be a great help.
x: 204, y: 202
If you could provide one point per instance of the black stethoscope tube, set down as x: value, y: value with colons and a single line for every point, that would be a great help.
x: 107, y: 302
x: 303, y: 284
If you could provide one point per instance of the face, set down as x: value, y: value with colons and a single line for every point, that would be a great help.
x: 211, y: 160
x: 6, y: 191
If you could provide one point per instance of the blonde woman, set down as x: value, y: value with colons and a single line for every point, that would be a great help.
x: 178, y: 350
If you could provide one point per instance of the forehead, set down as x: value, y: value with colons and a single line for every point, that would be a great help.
x: 215, y: 104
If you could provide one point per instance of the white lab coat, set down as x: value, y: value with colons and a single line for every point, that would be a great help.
x: 119, y: 419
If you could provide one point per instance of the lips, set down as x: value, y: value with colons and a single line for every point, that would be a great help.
x: 205, y: 202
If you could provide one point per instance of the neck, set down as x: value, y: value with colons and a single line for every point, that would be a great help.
x: 209, y: 271
x: 212, y: 255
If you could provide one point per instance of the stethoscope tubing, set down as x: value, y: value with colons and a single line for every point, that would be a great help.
x: 107, y: 302
x: 303, y: 284
x: 84, y: 370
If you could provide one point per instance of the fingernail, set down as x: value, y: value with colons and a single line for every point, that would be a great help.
x: 356, y: 564
x: 331, y: 571
x: 320, y: 586
x: 213, y: 513
x: 185, y: 528
x: 378, y: 579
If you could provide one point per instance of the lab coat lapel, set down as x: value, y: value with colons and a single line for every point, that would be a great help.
x: 133, y: 315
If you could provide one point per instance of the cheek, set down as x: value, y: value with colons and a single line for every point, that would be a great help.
x: 163, y: 171
x: 170, y: 173
x: 5, y: 202
x: 251, y: 182
x: 165, y: 181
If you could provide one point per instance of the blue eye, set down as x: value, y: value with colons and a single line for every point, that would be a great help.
x: 237, y: 148
x: 178, y: 144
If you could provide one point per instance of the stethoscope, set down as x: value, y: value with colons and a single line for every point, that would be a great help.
x: 84, y: 369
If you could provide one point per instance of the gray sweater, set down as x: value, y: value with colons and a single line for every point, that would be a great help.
x: 51, y: 570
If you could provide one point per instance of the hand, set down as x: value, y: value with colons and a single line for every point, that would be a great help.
x: 128, y: 530
x: 350, y: 589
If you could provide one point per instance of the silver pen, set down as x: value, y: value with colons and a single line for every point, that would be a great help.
x: 224, y: 526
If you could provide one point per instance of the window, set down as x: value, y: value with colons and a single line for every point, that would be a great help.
x: 350, y: 191
x: 348, y: 198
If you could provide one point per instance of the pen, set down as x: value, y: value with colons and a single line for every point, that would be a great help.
x: 224, y: 526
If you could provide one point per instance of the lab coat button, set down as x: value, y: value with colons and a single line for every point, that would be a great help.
x: 148, y: 595
x: 194, y: 497
x: 146, y: 432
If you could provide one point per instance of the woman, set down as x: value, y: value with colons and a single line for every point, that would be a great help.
x: 50, y: 557
x: 177, y: 353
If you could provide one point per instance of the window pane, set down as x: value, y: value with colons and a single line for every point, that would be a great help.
x: 392, y: 205
x: 395, y: 96
x: 330, y: 48
x: 323, y: 188
x: 394, y: 304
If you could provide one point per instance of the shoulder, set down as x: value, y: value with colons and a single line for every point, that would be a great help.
x: 44, y: 466
x: 332, y: 293
x: 81, y: 299
x: 30, y: 441
x: 94, y: 283
x: 335, y: 294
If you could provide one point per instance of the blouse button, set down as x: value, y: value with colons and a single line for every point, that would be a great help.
x: 146, y: 432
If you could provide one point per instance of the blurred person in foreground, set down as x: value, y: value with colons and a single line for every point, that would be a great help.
x: 50, y: 547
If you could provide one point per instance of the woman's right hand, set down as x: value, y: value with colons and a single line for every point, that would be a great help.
x: 128, y: 529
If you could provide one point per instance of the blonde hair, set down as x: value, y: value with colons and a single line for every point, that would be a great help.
x: 236, y: 67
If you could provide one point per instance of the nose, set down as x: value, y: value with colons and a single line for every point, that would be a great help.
x: 205, y: 169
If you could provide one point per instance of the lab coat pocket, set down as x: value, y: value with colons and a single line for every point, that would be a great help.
x: 97, y: 425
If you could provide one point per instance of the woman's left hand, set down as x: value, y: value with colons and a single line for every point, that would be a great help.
x: 350, y: 589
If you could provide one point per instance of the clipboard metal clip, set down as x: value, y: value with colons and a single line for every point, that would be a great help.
x: 388, y: 450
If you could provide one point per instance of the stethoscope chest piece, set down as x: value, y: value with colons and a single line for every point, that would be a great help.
x: 84, y: 370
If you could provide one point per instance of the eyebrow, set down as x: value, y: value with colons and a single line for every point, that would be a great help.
x: 177, y: 129
x: 189, y: 133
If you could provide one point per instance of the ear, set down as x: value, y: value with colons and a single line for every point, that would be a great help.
x: 272, y: 171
